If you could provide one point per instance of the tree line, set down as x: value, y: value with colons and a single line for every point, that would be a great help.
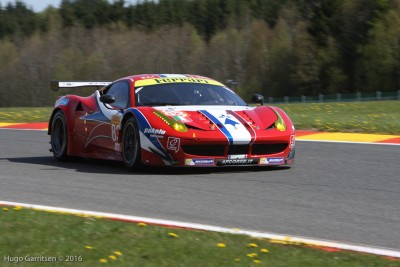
x: 275, y: 47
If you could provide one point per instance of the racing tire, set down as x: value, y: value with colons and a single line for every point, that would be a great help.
x: 59, y: 136
x: 131, y: 144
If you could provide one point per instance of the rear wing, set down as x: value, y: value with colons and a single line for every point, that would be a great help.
x: 56, y: 85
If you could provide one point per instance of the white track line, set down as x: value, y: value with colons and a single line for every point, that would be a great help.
x: 10, y: 129
x: 290, y: 239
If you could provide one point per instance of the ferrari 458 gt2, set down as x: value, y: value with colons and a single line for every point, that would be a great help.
x: 169, y: 120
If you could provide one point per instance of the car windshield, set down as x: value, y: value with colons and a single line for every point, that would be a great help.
x: 186, y: 94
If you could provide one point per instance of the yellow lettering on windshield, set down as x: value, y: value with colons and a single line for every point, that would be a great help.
x: 174, y: 80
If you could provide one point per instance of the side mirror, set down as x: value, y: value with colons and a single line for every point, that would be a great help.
x: 107, y: 99
x: 257, y: 98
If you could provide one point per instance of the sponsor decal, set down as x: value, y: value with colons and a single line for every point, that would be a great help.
x: 165, y: 80
x: 271, y: 161
x: 116, y: 119
x: 117, y: 147
x: 154, y: 131
x: 173, y: 144
x: 242, y: 156
x: 62, y: 102
x: 202, y: 162
x: 223, y: 162
x: 144, y: 77
x: 180, y: 80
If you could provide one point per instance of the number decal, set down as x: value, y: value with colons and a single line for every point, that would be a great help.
x: 114, y: 134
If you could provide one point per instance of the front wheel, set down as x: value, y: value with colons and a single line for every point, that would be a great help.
x: 131, y: 144
x: 59, y: 136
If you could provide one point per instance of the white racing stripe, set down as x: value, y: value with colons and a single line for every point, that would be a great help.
x: 231, y: 127
x: 108, y: 112
x: 284, y: 238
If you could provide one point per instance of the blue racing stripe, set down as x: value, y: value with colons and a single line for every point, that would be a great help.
x: 97, y: 116
x: 217, y: 122
x: 143, y: 123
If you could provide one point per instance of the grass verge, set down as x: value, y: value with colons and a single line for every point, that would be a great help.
x: 90, y: 241
x: 381, y: 117
x: 25, y: 114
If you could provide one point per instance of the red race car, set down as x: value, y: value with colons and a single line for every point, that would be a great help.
x: 169, y: 120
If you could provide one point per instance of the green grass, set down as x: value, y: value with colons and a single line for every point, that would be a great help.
x: 87, y: 240
x: 25, y: 114
x: 382, y: 117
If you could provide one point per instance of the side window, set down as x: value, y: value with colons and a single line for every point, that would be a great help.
x: 120, y: 91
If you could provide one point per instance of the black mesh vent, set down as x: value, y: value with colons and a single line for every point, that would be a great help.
x: 238, y: 149
x: 264, y: 149
x: 204, y: 150
x: 79, y: 107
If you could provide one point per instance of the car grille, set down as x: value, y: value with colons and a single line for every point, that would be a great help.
x: 238, y: 149
x: 204, y: 150
x: 219, y: 150
x: 263, y: 149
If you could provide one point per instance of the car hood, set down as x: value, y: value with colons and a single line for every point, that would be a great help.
x: 206, y: 117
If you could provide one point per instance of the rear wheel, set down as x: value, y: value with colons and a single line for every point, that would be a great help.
x: 131, y: 144
x: 59, y: 136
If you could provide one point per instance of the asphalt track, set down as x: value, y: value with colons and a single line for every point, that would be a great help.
x: 335, y: 191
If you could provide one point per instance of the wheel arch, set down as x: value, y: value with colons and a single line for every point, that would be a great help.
x: 59, y: 148
x: 66, y: 110
x: 51, y: 119
x: 128, y: 115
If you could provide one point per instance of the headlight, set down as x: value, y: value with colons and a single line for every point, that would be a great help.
x: 177, y: 125
x: 279, y: 123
